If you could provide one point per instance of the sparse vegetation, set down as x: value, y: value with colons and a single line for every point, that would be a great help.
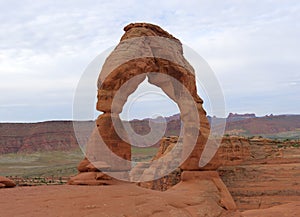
x: 143, y: 154
x: 297, y: 145
x: 51, y: 167
x: 40, y: 164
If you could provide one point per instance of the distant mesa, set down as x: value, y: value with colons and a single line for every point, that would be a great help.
x: 237, y: 117
x: 34, y: 137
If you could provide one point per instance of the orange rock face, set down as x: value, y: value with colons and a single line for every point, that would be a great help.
x: 6, y: 183
x: 259, y: 173
x: 265, y: 173
x: 147, y: 51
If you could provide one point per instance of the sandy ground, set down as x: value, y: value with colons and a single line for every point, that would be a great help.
x: 285, y: 210
x: 122, y: 200
x: 69, y: 200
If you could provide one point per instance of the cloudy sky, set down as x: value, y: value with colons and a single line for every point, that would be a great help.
x: 253, y: 48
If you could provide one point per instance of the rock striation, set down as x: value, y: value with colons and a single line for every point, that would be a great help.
x: 265, y: 174
x: 260, y: 173
x: 39, y: 137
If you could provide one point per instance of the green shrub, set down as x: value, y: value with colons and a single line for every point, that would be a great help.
x: 279, y: 146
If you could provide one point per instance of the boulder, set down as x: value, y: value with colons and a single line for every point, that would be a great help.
x: 6, y: 183
x: 91, y: 178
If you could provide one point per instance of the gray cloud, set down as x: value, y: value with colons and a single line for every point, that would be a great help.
x: 45, y: 46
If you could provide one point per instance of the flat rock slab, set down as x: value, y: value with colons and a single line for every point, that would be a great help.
x: 288, y: 210
x: 124, y: 199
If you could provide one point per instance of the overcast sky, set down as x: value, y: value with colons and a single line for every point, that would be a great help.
x: 252, y: 46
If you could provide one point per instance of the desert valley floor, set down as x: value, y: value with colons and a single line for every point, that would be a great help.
x: 100, y: 201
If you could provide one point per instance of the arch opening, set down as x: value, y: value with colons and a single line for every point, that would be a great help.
x: 148, y: 108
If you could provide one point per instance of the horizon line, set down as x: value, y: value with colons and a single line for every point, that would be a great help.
x: 87, y: 120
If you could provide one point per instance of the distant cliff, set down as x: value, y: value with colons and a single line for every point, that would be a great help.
x: 266, y: 126
x: 33, y: 137
x: 59, y: 135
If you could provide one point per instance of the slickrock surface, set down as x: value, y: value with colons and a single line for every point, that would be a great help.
x: 285, y: 210
x: 204, y: 196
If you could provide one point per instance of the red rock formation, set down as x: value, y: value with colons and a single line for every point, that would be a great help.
x: 113, y: 76
x: 192, y: 198
x: 290, y: 209
x: 32, y: 137
x: 116, y: 77
x: 267, y: 176
x: 259, y: 173
x: 39, y: 137
x: 174, y: 75
x: 6, y: 183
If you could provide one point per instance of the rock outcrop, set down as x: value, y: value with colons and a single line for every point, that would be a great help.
x: 259, y: 172
x: 6, y: 183
x: 147, y: 51
x: 167, y: 144
x: 124, y: 70
x: 289, y: 209
x: 267, y: 175
x: 39, y: 137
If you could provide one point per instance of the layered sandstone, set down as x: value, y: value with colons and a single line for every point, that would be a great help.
x: 267, y: 176
x: 258, y: 172
x: 40, y: 137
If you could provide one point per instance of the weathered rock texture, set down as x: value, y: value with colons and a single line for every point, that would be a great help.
x: 6, y: 183
x: 259, y: 173
x: 264, y: 174
x: 140, y: 55
x: 167, y: 60
x: 289, y: 209
x: 148, y: 169
x: 203, y: 192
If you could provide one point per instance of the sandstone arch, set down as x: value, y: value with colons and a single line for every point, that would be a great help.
x: 144, y: 49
